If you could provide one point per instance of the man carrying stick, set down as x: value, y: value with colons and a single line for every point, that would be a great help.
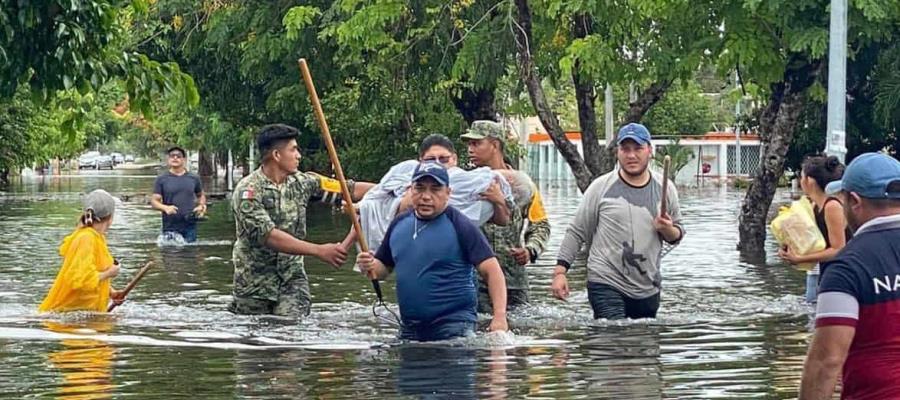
x: 621, y: 220
x: 434, y: 251
x: 270, y: 219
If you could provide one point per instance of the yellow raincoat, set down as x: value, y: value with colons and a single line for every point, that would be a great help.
x: 78, y: 286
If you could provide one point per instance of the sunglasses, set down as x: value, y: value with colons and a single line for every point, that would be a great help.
x: 440, y: 159
x: 175, y: 155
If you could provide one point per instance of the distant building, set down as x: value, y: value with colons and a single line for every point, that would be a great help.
x: 715, y: 154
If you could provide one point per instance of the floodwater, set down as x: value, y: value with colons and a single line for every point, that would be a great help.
x: 726, y: 328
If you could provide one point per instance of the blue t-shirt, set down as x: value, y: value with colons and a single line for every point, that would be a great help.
x: 435, y: 262
x: 180, y: 191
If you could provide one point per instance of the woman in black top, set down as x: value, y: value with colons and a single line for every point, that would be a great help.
x: 815, y: 174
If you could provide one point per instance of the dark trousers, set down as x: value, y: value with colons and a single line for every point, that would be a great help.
x: 189, y: 234
x: 435, y: 331
x: 610, y: 303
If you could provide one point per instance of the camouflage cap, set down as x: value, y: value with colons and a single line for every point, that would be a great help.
x: 485, y: 129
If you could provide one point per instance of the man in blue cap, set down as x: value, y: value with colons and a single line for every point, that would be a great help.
x: 619, y: 219
x: 858, y: 309
x: 435, y: 249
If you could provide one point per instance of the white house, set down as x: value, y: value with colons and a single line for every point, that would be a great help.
x: 715, y: 154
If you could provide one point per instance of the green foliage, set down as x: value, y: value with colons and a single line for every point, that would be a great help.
x: 33, y: 135
x: 78, y: 45
x: 61, y: 55
x: 887, y: 89
x: 679, y: 157
x: 683, y: 111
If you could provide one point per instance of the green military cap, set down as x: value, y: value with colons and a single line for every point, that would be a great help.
x: 485, y: 129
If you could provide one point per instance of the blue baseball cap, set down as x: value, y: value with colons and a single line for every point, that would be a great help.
x: 434, y: 170
x: 633, y: 131
x: 869, y: 175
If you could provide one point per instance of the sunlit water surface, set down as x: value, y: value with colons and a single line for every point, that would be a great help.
x: 726, y: 328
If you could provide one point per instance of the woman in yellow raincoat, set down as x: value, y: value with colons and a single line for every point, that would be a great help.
x: 83, y: 282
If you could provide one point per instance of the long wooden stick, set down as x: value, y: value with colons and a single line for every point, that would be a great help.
x: 336, y: 163
x: 665, y: 186
x: 133, y: 283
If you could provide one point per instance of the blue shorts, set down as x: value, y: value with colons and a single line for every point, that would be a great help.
x: 812, y: 287
x: 438, y: 331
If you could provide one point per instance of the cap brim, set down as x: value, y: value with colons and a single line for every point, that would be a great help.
x: 472, y: 136
x: 834, y: 188
x: 427, y: 175
x: 635, y: 138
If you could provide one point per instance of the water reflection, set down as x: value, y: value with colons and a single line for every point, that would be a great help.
x: 85, y: 364
x: 275, y: 376
x: 436, y: 371
x: 727, y: 328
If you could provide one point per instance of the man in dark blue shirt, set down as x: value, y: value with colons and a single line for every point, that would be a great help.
x: 435, y: 250
x: 178, y: 195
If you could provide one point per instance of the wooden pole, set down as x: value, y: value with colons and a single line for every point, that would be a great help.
x: 336, y: 163
x: 133, y: 283
x: 665, y: 186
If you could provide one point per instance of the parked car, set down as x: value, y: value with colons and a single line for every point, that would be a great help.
x: 117, y: 158
x: 88, y: 160
x: 103, y: 162
x: 129, y: 158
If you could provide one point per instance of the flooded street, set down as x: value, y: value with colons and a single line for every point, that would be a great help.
x: 726, y: 329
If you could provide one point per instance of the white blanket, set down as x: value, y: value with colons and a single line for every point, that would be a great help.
x: 379, y: 206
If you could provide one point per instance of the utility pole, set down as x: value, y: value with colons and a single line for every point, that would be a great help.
x: 837, y: 81
x: 608, y: 114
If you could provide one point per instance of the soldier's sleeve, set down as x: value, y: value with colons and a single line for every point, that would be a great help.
x: 325, y: 189
x: 538, y: 232
x: 250, y: 216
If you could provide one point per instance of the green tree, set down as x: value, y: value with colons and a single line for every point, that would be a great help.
x: 598, y: 42
x: 682, y: 111
x: 70, y: 50
x: 780, y: 46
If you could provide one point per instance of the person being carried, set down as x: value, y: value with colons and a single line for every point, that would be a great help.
x: 619, y: 219
x: 435, y: 250
x: 270, y: 207
x: 83, y: 282
x: 858, y: 311
x: 178, y: 195
x: 481, y: 195
x: 815, y: 174
x: 485, y: 145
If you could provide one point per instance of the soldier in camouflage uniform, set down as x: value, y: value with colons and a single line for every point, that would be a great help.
x: 485, y: 142
x: 270, y: 219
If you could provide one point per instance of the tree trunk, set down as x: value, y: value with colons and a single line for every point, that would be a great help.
x: 529, y: 73
x: 245, y: 167
x: 647, y: 99
x: 585, y: 96
x: 777, y: 124
x: 206, y: 166
x: 476, y: 105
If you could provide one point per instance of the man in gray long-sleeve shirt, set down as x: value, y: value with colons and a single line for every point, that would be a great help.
x: 619, y: 220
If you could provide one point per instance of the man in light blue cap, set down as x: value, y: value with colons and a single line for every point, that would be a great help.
x: 858, y: 309
x: 620, y: 221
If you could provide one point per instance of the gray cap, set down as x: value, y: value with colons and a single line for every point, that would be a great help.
x: 101, y: 202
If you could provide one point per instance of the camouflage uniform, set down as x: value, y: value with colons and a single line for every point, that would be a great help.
x: 266, y: 281
x: 504, y: 238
